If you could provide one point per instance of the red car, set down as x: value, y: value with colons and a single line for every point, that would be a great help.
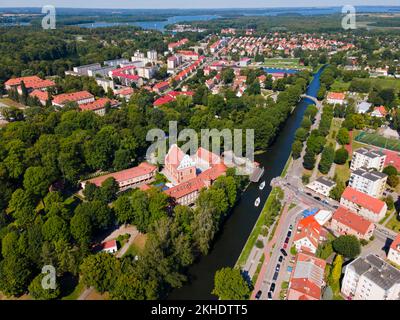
x: 285, y: 246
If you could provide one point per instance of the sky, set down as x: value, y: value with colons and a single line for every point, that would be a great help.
x: 187, y: 4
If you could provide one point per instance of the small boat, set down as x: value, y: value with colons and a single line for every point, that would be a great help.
x: 258, y: 201
x: 262, y: 185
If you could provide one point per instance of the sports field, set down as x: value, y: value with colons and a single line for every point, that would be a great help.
x: 378, y: 141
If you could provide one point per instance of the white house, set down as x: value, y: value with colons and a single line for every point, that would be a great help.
x: 110, y: 246
x: 322, y: 186
x: 367, y: 158
x: 368, y: 181
x: 335, y: 98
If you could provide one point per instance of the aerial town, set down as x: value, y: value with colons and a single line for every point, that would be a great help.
x: 314, y: 211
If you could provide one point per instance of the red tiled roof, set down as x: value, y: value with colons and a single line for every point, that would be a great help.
x: 396, y: 244
x: 186, y: 188
x: 120, y: 176
x: 32, y: 82
x: 381, y: 110
x: 363, y: 200
x: 336, y: 95
x: 214, y: 172
x: 98, y: 104
x: 308, y: 228
x: 74, y: 96
x: 41, y: 95
x: 109, y: 244
x: 352, y: 220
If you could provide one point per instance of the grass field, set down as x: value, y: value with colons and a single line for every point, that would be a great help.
x: 340, y: 86
x: 393, y: 224
x: 283, y: 63
x: 378, y: 141
x: 384, y: 83
x: 11, y: 103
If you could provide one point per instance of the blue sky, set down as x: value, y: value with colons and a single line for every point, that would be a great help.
x: 162, y: 4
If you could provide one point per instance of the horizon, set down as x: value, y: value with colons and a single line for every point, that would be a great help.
x: 18, y: 4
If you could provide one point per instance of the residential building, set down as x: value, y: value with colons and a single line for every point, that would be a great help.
x: 186, y: 193
x: 323, y: 216
x: 170, y: 96
x: 307, y: 278
x: 105, y: 84
x: 124, y: 93
x: 244, y: 62
x: 116, y: 62
x: 322, y: 186
x: 161, y: 87
x: 80, y: 97
x: 363, y: 107
x: 42, y: 96
x: 366, y: 206
x: 127, y: 76
x: 335, y: 98
x: 368, y: 158
x: 379, y: 112
x: 368, y: 181
x: 188, y: 55
x: 394, y: 251
x: 371, y: 278
x: 83, y: 70
x: 174, y: 45
x: 99, y: 106
x: 31, y: 83
x: 110, y: 246
x: 152, y: 55
x: 101, y: 72
x: 308, y: 235
x: 345, y: 222
x: 129, y: 178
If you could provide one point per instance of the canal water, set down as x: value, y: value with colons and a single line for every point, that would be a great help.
x: 232, y: 238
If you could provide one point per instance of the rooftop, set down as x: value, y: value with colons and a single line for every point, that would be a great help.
x: 352, y: 220
x: 363, y: 200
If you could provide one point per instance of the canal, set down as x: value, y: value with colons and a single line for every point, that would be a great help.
x: 237, y: 228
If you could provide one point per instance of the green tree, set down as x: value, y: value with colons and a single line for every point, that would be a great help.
x: 297, y: 147
x: 37, y: 291
x: 390, y: 171
x: 348, y: 246
x: 55, y: 228
x: 337, y: 191
x: 81, y: 227
x: 229, y: 284
x: 37, y: 181
x: 309, y: 160
x: 393, y: 181
x: 326, y: 161
x: 343, y: 136
x: 15, y: 273
x: 341, y: 156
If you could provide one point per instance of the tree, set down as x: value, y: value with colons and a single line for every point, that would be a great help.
x: 306, y: 123
x: 37, y: 291
x: 81, y: 227
x: 37, y: 181
x: 55, y: 228
x: 297, y: 147
x: 337, y: 269
x: 337, y: 191
x: 393, y: 181
x: 99, y: 213
x: 15, y: 273
x: 229, y: 284
x: 22, y: 207
x: 90, y: 191
x: 326, y: 161
x: 347, y: 246
x: 99, y: 271
x: 343, y: 136
x: 301, y: 134
x: 341, y: 156
x: 390, y: 202
x: 390, y: 171
x: 108, y: 190
x: 228, y: 75
x: 309, y: 160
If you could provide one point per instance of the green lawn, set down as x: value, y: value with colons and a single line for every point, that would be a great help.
x: 284, y: 63
x: 340, y: 86
x: 384, y: 83
x: 393, y: 224
x: 11, y: 103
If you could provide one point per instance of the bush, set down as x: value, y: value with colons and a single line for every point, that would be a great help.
x: 390, y: 171
x: 259, y: 244
x: 341, y: 156
x: 305, y: 178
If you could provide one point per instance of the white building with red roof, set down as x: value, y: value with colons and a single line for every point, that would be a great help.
x: 308, y: 235
x: 99, y: 106
x: 42, y: 96
x: 346, y: 222
x: 379, y: 112
x: 366, y: 206
x: 307, y: 278
x: 335, y: 98
x: 134, y: 177
x: 109, y: 246
x: 179, y: 167
x: 394, y: 251
x: 80, y: 97
x: 31, y: 83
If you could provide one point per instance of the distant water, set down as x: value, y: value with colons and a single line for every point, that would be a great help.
x: 152, y: 25
x: 277, y: 70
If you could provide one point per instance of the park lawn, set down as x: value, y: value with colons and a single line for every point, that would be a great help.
x: 335, y: 126
x: 393, y: 224
x: 384, y: 83
x: 137, y: 245
x: 340, y: 86
x: 343, y: 172
x: 11, y: 103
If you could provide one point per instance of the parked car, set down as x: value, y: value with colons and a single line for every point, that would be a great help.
x: 317, y: 198
x: 309, y: 194
x: 272, y: 288
x: 284, y: 252
x: 258, y: 295
x: 289, y: 234
x: 287, y: 240
x: 278, y: 267
x: 291, y: 227
x: 285, y: 246
x: 270, y: 295
x: 280, y: 259
x: 275, y: 277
